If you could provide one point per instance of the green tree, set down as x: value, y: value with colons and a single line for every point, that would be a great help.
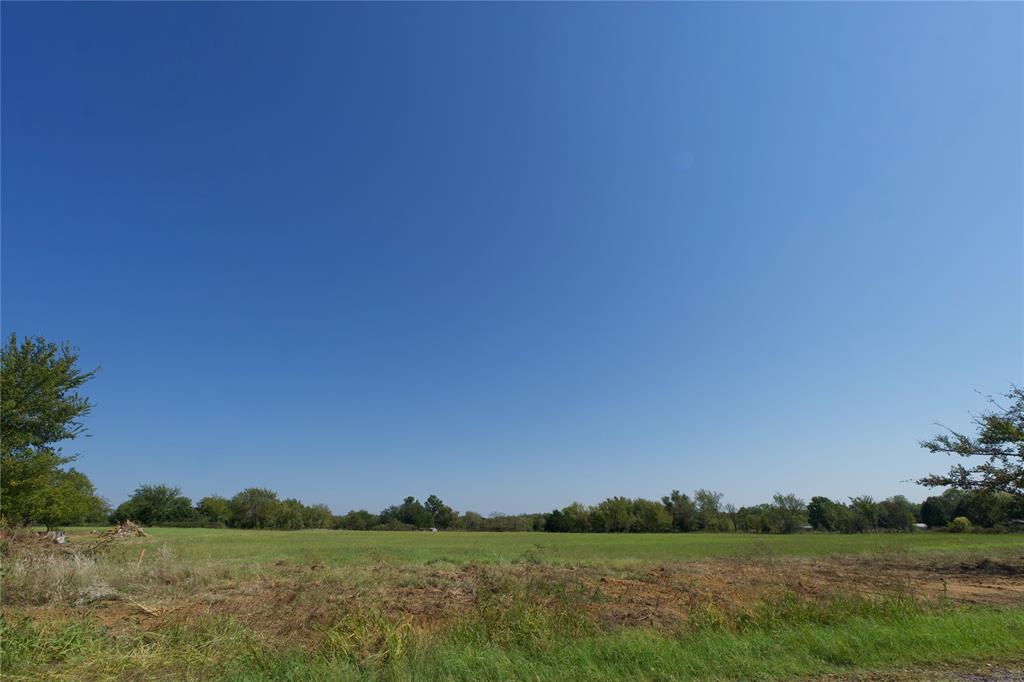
x: 650, y: 517
x: 317, y: 516
x: 577, y: 518
x: 441, y: 514
x: 824, y: 514
x: 358, y: 520
x: 290, y: 515
x: 1015, y: 509
x: 154, y: 505
x: 472, y: 521
x: 254, y: 508
x: 214, y: 509
x: 26, y: 484
x: 721, y: 524
x: 40, y: 402
x: 410, y: 513
x: 681, y: 508
x: 709, y: 510
x: 897, y: 513
x: 757, y: 519
x: 614, y: 515
x: 499, y: 522
x: 414, y: 513
x: 39, y: 407
x: 984, y: 508
x: 863, y: 514
x: 789, y: 512
x: 1000, y: 443
x: 935, y: 512
x: 555, y: 522
x: 71, y: 499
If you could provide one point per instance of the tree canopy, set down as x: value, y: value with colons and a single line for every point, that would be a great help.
x: 254, y: 508
x: 1000, y: 443
x: 40, y: 407
x: 156, y: 505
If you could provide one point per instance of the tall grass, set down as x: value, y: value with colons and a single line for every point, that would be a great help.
x: 515, y: 639
x: 797, y: 650
x: 367, y: 637
x: 33, y: 579
x: 518, y: 619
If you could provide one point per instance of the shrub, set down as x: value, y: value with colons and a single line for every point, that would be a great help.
x: 960, y: 524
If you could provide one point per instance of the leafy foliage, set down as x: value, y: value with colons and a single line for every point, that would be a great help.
x: 980, y: 507
x: 824, y: 514
x: 357, y: 520
x: 897, y: 513
x: 214, y: 509
x: 682, y: 510
x: 317, y: 516
x: 72, y: 500
x: 441, y: 514
x: 155, y: 505
x: 254, y: 508
x: 1000, y: 442
x: 410, y: 513
x: 40, y: 406
x: 39, y: 400
x: 960, y: 524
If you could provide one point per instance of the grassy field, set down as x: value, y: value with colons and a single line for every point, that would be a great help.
x: 252, y: 605
x: 339, y: 548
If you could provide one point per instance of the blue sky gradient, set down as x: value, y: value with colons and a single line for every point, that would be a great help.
x: 517, y: 255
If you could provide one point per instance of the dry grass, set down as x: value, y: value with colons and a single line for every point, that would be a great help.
x: 374, y: 616
x: 297, y: 602
x: 78, y: 577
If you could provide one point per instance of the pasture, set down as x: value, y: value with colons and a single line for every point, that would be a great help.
x: 340, y: 548
x: 253, y: 605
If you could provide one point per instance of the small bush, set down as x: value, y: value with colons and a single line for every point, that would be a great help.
x: 960, y: 524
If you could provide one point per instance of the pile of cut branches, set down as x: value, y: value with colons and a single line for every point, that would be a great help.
x: 124, y: 529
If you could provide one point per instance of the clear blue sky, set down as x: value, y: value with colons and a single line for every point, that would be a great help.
x: 517, y: 255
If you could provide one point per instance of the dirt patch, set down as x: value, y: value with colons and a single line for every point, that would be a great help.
x: 994, y: 567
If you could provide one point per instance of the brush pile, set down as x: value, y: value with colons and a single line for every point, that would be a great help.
x: 108, y: 538
x: 125, y: 529
x: 27, y: 542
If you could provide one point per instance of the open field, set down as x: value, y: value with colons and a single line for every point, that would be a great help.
x: 223, y: 604
x: 368, y: 547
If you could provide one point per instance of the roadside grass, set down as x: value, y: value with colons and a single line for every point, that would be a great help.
x: 780, y: 640
x: 798, y: 650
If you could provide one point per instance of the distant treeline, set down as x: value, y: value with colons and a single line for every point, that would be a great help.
x: 157, y: 505
x: 678, y: 512
x: 40, y: 382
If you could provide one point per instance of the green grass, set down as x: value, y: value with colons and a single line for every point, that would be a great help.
x: 800, y: 650
x: 342, y: 605
x: 220, y: 648
x: 339, y: 548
